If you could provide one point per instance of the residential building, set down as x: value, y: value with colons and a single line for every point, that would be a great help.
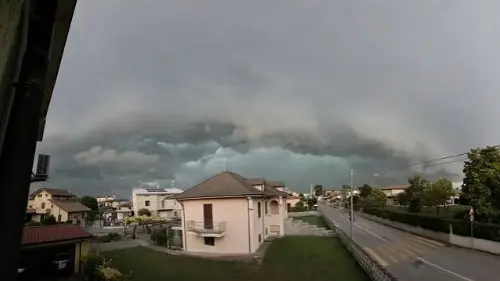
x: 229, y: 214
x: 392, y: 192
x: 52, y: 252
x: 157, y: 201
x: 62, y: 204
x: 116, y: 212
x: 104, y: 198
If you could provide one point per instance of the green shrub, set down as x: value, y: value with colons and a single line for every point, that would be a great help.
x: 298, y: 209
x: 460, y: 227
x: 160, y: 237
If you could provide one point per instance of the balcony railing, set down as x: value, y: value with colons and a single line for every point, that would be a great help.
x: 202, y: 227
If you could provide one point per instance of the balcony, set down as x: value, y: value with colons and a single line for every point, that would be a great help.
x: 215, y: 229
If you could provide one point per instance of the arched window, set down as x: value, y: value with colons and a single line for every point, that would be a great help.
x: 275, y: 207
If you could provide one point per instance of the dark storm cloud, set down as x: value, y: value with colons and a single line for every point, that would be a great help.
x: 369, y: 84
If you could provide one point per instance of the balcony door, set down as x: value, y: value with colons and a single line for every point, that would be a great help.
x: 208, y: 216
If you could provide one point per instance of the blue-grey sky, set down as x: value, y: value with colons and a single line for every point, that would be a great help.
x: 300, y: 91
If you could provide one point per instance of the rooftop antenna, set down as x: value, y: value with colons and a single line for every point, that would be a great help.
x: 224, y: 165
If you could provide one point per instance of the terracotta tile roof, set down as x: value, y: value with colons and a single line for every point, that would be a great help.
x: 70, y: 206
x: 52, y: 233
x: 225, y: 184
x: 53, y: 191
x: 254, y: 182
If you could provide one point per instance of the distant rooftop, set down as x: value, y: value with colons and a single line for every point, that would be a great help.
x: 160, y: 191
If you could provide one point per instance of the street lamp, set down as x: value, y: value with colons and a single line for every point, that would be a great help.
x: 351, y: 173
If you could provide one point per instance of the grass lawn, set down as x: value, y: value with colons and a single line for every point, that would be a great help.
x: 449, y: 211
x: 313, y: 220
x: 287, y: 259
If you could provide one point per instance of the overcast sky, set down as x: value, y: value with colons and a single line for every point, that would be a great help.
x: 300, y: 91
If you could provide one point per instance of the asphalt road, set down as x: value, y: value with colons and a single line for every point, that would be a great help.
x: 398, y: 252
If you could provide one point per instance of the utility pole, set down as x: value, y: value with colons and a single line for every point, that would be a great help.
x: 351, y: 173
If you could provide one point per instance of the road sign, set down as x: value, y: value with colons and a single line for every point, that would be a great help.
x: 471, y: 214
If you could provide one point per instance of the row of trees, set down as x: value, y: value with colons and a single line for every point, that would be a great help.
x: 423, y: 192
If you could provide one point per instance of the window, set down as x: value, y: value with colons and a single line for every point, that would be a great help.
x: 275, y: 207
x: 260, y: 238
x: 30, y: 207
x: 175, y: 214
x: 210, y: 241
x: 266, y: 230
x: 146, y: 202
x: 59, y: 218
x: 265, y: 207
x: 259, y: 212
x: 39, y: 195
x: 43, y: 205
x: 163, y: 204
x: 46, y: 195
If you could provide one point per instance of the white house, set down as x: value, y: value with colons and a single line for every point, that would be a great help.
x: 157, y: 201
x: 229, y: 214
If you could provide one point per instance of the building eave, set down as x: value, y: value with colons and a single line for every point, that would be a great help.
x: 62, y: 24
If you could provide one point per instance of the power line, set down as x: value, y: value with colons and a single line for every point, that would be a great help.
x: 431, y: 161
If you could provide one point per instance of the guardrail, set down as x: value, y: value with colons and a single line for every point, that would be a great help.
x: 370, y: 265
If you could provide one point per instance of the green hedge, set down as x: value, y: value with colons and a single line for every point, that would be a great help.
x: 482, y: 230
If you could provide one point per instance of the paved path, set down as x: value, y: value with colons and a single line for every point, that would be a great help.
x: 398, y: 251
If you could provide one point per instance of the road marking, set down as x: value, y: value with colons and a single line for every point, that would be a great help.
x: 390, y: 253
x: 374, y: 255
x: 428, y: 241
x: 415, y: 249
x: 435, y: 266
x: 367, y: 230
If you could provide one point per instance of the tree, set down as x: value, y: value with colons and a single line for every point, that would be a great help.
x: 403, y: 198
x: 438, y: 193
x: 365, y: 190
x: 48, y: 220
x: 90, y: 202
x: 376, y: 199
x: 480, y: 172
x: 318, y: 190
x: 144, y: 212
x: 415, y: 193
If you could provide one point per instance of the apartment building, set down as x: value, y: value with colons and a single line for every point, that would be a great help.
x: 157, y: 201
x: 230, y: 214
x: 62, y: 204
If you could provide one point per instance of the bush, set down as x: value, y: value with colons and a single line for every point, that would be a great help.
x: 49, y: 220
x: 96, y: 268
x: 160, y: 237
x: 461, y: 227
x: 299, y: 209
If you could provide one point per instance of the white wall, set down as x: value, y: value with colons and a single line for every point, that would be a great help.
x: 155, y: 203
x: 232, y: 211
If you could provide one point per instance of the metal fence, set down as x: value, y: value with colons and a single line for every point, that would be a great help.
x: 370, y: 265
